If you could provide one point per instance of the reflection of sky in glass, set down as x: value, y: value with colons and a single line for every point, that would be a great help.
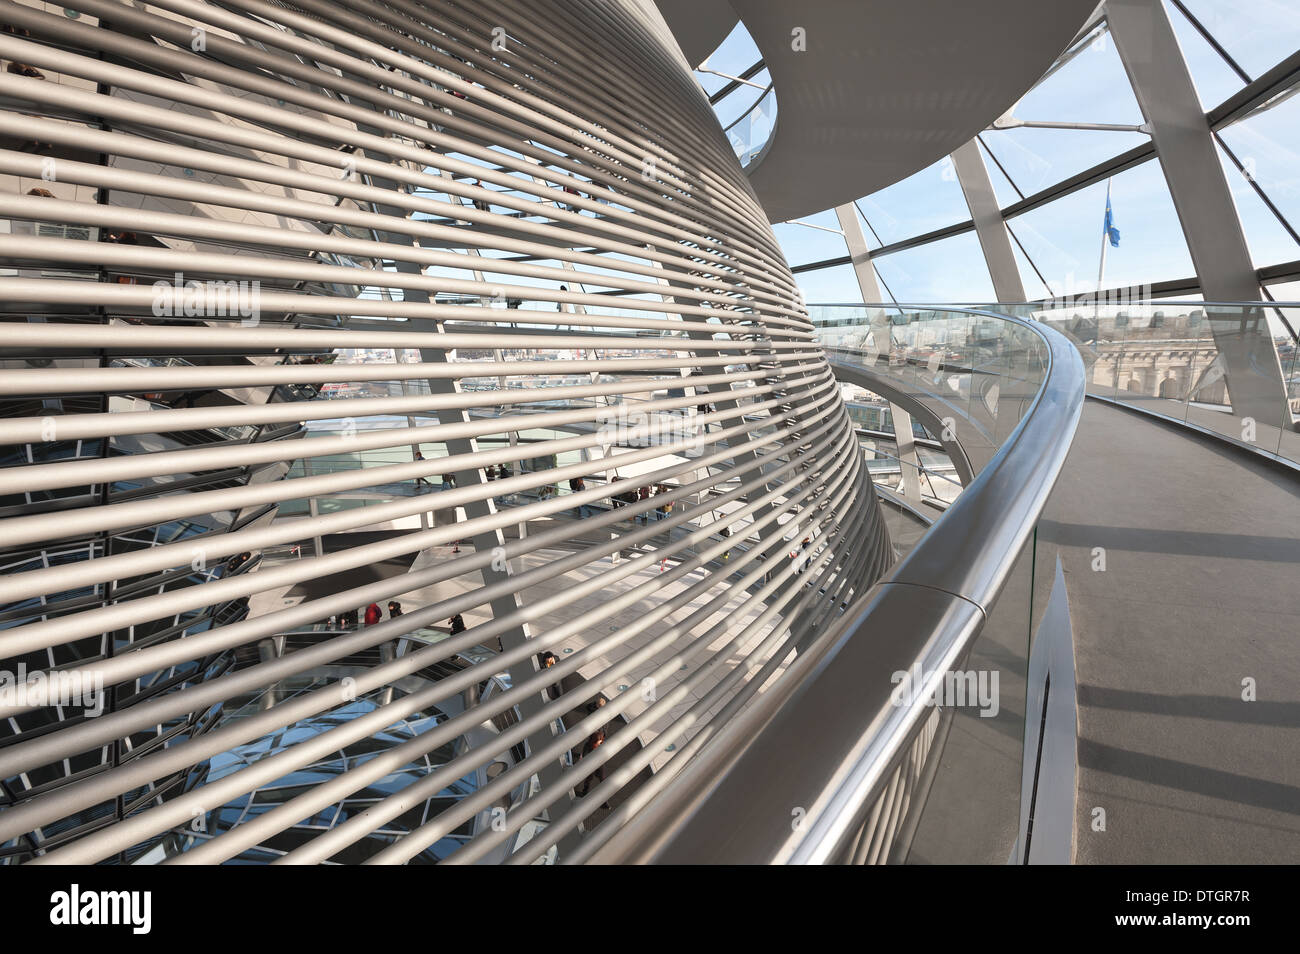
x: 1267, y: 143
x: 1090, y: 88
x: 951, y: 269
x: 1037, y: 158
x: 921, y: 203
x: 1258, y: 35
x: 1269, y: 242
x: 1006, y: 193
x: 1214, y: 79
x: 813, y: 243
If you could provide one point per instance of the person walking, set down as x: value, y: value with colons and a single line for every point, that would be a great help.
x: 666, y: 507
x: 595, y: 705
x: 373, y: 614
x: 457, y: 624
x: 576, y: 486
x: 549, y: 661
x: 623, y: 497
x: 595, y: 741
x: 421, y: 481
x: 394, y: 609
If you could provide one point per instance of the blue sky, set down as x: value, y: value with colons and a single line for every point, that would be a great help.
x: 1064, y: 238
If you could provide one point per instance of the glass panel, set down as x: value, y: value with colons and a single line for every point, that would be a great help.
x: 749, y: 136
x: 951, y: 269
x: 1038, y: 158
x: 1064, y: 237
x: 802, y: 244
x: 1284, y: 324
x: 1003, y: 188
x: 838, y: 284
x: 868, y: 229
x: 743, y: 100
x: 1268, y: 239
x: 921, y: 203
x: 733, y: 55
x: 1034, y: 286
x: 1268, y: 144
x: 978, y: 372
x: 1091, y: 87
x: 1257, y: 35
x: 1213, y: 78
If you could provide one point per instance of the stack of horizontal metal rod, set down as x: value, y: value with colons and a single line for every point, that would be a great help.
x: 248, y: 237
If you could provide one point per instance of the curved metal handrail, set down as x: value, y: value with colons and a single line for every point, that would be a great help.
x: 794, y: 779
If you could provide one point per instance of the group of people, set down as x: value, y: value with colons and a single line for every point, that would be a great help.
x: 548, y: 660
x: 235, y: 562
x: 372, y: 614
x: 625, y: 498
x: 492, y: 472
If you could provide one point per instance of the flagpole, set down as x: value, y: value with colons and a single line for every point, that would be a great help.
x: 1101, y: 267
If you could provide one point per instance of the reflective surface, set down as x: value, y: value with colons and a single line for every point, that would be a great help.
x: 1178, y: 359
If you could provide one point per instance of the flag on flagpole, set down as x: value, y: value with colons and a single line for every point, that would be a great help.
x: 1108, y: 227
